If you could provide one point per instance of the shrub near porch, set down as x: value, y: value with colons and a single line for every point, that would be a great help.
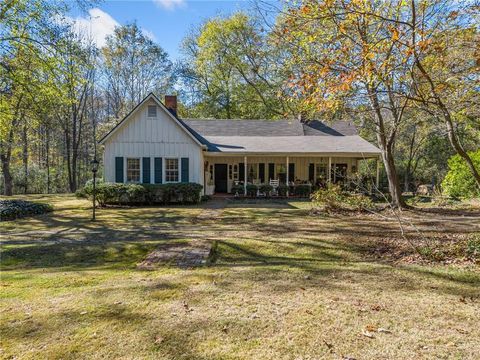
x: 115, y: 193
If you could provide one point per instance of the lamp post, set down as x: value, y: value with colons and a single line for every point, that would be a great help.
x: 94, y: 164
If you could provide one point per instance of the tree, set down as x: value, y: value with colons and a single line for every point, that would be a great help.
x: 347, y: 57
x: 134, y: 65
x: 233, y: 70
x: 444, y: 42
x: 458, y: 182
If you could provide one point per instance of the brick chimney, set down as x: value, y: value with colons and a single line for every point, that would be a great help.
x: 171, y: 103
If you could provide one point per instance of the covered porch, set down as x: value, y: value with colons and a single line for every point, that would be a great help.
x: 223, y: 172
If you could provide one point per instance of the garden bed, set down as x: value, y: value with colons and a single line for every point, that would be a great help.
x: 13, y: 209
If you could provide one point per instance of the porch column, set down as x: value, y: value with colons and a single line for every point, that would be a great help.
x: 288, y: 176
x: 245, y: 176
x: 329, y: 170
x: 377, y: 179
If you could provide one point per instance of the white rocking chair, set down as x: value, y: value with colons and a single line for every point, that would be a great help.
x: 274, y: 184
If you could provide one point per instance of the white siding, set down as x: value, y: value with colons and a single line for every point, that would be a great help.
x: 160, y: 136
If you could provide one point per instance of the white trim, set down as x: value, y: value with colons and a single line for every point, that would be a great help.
x: 125, y: 170
x: 179, y: 166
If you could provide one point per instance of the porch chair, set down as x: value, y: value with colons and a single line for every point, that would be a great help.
x: 274, y: 184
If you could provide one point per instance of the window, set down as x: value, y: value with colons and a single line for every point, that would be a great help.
x: 233, y: 172
x: 133, y: 170
x: 152, y: 111
x: 171, y: 170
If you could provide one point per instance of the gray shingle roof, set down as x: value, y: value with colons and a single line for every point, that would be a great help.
x: 352, y: 144
x: 242, y: 127
x: 279, y: 136
x: 338, y: 128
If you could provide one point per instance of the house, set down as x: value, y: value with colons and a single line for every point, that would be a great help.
x: 153, y: 145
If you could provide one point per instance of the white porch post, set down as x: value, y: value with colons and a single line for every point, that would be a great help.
x: 245, y: 176
x: 288, y: 176
x: 329, y: 170
x: 377, y: 179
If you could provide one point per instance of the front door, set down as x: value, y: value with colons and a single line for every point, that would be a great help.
x: 221, y: 178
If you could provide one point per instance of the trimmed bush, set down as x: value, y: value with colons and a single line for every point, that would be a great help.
x: 12, y: 209
x: 266, y: 189
x: 282, y: 190
x: 335, y: 199
x: 237, y: 188
x: 303, y: 190
x: 135, y: 194
x: 252, y: 190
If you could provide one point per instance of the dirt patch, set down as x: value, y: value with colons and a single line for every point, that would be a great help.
x: 184, y: 255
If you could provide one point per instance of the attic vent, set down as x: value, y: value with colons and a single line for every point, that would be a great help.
x: 152, y: 111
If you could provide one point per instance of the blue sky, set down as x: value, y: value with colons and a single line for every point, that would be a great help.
x: 165, y: 21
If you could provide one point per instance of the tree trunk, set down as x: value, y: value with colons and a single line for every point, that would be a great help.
x: 25, y: 156
x: 391, y: 171
x: 47, y: 158
x: 5, y: 156
x: 7, y: 176
x: 386, y: 148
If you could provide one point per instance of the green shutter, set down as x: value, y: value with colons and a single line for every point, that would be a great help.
x: 291, y: 172
x: 146, y: 170
x: 158, y: 170
x: 261, y: 173
x: 119, y: 169
x: 185, y: 170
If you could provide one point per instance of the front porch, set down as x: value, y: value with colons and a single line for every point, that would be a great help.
x: 222, y: 173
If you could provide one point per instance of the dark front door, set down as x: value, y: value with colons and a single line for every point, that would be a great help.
x: 220, y: 178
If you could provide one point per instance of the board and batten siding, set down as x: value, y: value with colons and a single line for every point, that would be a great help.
x: 143, y: 136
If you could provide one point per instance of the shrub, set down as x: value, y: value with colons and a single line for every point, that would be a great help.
x: 473, y: 247
x: 282, y: 190
x: 252, y: 190
x: 113, y: 193
x: 333, y: 198
x: 80, y: 194
x: 459, y: 181
x: 303, y: 190
x: 237, y: 188
x: 12, y: 209
x: 266, y: 189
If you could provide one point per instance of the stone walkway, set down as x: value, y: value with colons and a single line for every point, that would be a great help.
x: 185, y: 255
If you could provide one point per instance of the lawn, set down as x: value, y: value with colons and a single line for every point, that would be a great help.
x: 283, y: 284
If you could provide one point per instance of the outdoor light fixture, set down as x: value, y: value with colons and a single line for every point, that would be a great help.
x: 94, y: 164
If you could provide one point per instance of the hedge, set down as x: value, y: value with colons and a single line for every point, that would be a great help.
x: 12, y: 209
x: 136, y: 194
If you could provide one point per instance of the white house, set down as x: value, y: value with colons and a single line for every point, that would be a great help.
x: 153, y: 145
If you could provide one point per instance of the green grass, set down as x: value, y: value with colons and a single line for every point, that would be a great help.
x: 284, y: 285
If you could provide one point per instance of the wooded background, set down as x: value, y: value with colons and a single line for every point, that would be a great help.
x: 405, y: 72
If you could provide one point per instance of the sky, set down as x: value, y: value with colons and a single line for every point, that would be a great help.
x: 165, y: 21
